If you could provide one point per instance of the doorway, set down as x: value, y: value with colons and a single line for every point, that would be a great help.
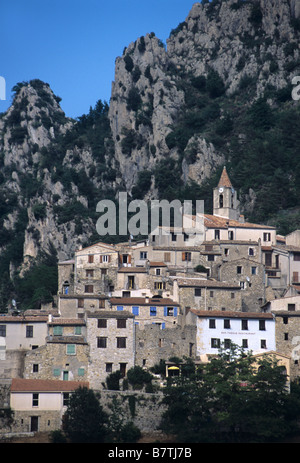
x: 34, y: 423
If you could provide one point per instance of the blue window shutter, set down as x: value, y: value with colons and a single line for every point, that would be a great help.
x: 153, y: 311
x: 163, y: 326
x: 165, y: 311
x: 135, y: 310
x: 175, y: 311
x: 119, y: 307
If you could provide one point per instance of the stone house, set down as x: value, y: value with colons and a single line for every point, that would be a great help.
x: 286, y: 311
x: 65, y: 355
x: 154, y: 344
x: 253, y: 332
x: 39, y: 404
x: 75, y: 305
x: 204, y: 294
x: 250, y: 276
x: 95, y: 269
x: 111, y: 340
x: 161, y: 311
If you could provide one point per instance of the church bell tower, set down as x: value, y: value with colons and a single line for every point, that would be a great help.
x: 225, y: 199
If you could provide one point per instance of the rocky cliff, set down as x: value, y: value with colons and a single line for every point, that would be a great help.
x: 219, y: 92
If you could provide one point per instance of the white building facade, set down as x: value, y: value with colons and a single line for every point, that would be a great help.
x: 254, y: 332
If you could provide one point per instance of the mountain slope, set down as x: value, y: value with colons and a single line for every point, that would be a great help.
x: 218, y: 93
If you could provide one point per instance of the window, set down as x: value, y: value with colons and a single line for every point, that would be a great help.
x: 3, y: 330
x: 285, y: 320
x: 239, y: 269
x: 35, y: 368
x: 296, y: 256
x: 167, y: 257
x: 102, y: 342
x: 245, y: 343
x: 212, y: 323
x: 170, y: 311
x: 244, y: 324
x: 232, y: 295
x: 101, y: 303
x: 217, y: 234
x: 173, y: 236
x: 71, y: 350
x: 253, y: 270
x: 211, y: 294
x: 56, y: 372
x: 35, y: 400
x: 286, y: 336
x: 227, y: 324
x: 267, y: 236
x: 102, y: 323
x: 210, y: 257
x: 262, y: 325
x: 230, y: 235
x: 108, y: 367
x: 88, y: 288
x: 197, y: 292
x: 251, y: 252
x: 90, y: 259
x: 215, y: 343
x: 186, y: 256
x: 66, y: 399
x: 291, y: 307
x: 80, y: 303
x: 135, y: 310
x: 263, y: 344
x: 121, y: 343
x: 80, y: 371
x: 121, y: 323
x: 227, y: 343
x: 143, y: 255
x: 29, y: 331
x: 104, y: 259
x: 157, y: 271
x: 226, y: 252
x: 89, y: 273
x: 159, y: 285
x: 152, y: 311
x: 57, y: 330
x: 77, y: 330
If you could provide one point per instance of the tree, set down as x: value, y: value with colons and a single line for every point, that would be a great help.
x: 85, y: 421
x: 234, y: 398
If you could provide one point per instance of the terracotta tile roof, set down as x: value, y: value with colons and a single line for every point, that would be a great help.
x: 213, y: 221
x: 66, y: 321
x: 21, y: 319
x: 224, y: 179
x: 157, y: 264
x: 45, y: 385
x: 142, y: 301
x: 110, y: 314
x: 229, y: 314
x: 206, y: 283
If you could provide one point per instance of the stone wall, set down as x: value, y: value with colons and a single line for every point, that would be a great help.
x: 154, y: 344
x: 145, y: 410
x: 52, y: 362
x: 287, y: 333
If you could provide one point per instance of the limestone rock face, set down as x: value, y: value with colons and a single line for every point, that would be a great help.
x: 54, y: 169
x: 242, y: 41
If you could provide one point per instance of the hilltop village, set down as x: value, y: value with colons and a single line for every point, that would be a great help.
x: 138, y: 303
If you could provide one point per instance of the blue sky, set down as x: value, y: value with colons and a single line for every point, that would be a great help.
x: 72, y: 44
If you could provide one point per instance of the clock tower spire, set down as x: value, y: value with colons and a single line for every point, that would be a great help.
x: 225, y: 198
